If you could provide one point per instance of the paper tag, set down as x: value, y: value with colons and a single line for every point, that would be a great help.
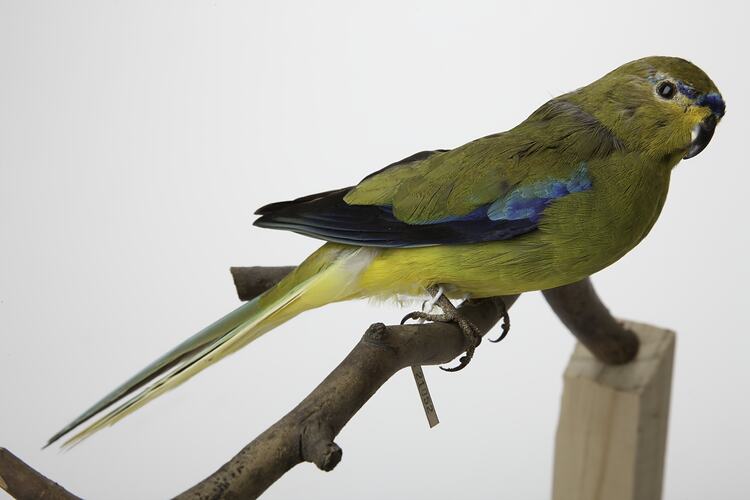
x: 424, y: 391
x: 424, y: 395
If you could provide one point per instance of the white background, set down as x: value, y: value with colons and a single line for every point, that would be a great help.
x: 137, y: 138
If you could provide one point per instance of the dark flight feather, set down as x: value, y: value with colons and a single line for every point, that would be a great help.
x: 328, y: 217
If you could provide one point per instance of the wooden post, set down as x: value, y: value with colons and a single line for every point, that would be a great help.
x: 612, y: 432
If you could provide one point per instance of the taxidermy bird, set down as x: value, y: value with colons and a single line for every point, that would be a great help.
x: 564, y: 194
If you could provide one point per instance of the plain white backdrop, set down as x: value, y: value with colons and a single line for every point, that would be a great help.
x: 137, y: 138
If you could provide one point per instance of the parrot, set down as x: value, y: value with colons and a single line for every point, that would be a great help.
x: 562, y: 195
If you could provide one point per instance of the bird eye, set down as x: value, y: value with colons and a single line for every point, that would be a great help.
x: 666, y: 90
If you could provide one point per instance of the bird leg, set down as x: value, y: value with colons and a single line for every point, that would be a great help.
x: 472, y: 334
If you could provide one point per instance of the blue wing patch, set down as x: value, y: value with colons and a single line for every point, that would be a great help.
x: 529, y: 202
x: 328, y: 217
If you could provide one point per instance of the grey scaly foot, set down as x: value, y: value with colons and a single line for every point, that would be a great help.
x: 472, y: 334
x: 451, y: 315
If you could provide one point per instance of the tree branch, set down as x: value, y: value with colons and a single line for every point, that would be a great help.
x: 252, y: 281
x: 582, y: 311
x: 21, y: 481
x: 307, y: 432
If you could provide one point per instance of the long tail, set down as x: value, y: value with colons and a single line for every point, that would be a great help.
x: 328, y: 275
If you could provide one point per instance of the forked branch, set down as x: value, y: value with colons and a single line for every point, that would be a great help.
x: 307, y: 433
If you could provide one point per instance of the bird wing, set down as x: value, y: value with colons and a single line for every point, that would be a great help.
x: 493, y: 188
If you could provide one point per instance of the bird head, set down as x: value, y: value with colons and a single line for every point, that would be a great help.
x: 665, y: 107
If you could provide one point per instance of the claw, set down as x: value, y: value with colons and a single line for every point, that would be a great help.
x: 463, y: 362
x: 505, y: 326
x: 440, y: 318
x: 411, y: 315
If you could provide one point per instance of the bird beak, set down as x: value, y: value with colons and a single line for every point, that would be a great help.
x: 701, y: 135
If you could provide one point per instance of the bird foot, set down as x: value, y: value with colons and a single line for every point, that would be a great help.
x: 472, y: 334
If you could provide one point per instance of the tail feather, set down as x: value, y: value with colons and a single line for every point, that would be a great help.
x: 326, y: 276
